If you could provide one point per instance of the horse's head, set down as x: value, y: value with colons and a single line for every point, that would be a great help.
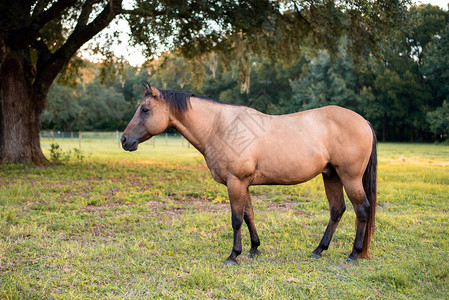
x: 151, y: 118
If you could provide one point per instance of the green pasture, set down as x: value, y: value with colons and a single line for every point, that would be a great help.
x: 109, y: 224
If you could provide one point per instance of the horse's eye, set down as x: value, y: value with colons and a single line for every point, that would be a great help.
x: 145, y: 110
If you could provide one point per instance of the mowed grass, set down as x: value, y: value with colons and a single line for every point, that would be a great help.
x: 154, y: 224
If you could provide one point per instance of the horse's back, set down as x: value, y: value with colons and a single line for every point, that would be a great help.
x: 299, y: 146
x: 329, y: 127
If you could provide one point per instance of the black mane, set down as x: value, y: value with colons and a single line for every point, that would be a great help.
x: 179, y: 102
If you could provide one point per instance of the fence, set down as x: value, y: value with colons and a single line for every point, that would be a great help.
x: 173, y: 139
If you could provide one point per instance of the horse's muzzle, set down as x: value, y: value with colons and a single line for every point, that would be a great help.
x: 129, y: 144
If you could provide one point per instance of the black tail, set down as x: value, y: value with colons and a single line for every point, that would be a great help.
x: 370, y: 187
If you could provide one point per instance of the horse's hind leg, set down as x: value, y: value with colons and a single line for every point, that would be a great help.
x: 249, y: 220
x: 334, y: 193
x: 356, y: 193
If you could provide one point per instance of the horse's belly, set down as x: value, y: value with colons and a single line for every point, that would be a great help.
x: 287, y: 170
x: 290, y: 160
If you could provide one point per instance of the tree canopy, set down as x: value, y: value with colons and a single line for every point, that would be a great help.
x: 39, y: 39
x: 401, y: 91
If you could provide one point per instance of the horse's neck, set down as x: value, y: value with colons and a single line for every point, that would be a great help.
x: 198, y: 122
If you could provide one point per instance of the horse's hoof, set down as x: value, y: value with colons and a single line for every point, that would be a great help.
x: 231, y: 262
x: 351, y: 260
x: 253, y: 253
x: 314, y: 255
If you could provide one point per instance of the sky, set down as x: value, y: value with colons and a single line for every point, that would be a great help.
x: 440, y: 3
x: 135, y: 54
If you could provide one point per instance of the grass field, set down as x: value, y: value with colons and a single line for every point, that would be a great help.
x: 153, y: 224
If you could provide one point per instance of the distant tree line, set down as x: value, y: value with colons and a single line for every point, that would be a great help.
x: 403, y: 92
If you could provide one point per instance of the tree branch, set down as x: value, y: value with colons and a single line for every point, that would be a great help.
x: 39, y: 7
x: 43, y: 51
x: 141, y: 13
x: 49, y: 69
x: 38, y: 21
x: 26, y: 34
x: 298, y: 11
x: 85, y: 12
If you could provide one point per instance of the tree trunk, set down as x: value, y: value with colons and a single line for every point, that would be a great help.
x: 24, y: 82
x: 20, y: 111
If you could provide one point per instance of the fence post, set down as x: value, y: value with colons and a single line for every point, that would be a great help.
x: 79, y: 139
x: 154, y: 142
x: 71, y: 135
x: 118, y: 139
x: 166, y: 139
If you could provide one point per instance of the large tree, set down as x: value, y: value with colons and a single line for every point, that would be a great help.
x: 35, y: 46
x: 38, y: 39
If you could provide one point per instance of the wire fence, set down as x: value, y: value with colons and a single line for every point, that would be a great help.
x: 111, y: 137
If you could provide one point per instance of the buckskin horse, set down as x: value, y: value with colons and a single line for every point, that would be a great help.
x: 244, y: 147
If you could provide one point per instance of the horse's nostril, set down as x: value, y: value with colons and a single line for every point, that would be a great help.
x: 123, y: 139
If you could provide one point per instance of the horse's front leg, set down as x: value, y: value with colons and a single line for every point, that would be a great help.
x: 249, y: 220
x: 238, y: 196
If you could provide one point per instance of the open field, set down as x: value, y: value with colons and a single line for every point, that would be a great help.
x: 153, y: 224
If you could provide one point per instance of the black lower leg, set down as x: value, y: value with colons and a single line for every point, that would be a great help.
x: 237, y: 246
x: 362, y: 213
x: 255, y: 242
x: 330, y: 229
x: 324, y: 243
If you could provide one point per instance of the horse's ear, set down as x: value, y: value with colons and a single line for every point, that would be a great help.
x: 149, y: 90
x: 146, y: 86
x: 155, y: 92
